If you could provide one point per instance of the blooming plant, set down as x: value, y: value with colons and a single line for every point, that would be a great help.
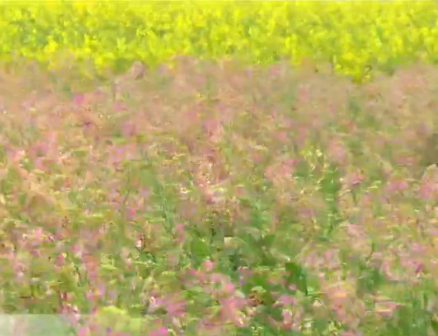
x: 352, y: 38
x: 209, y: 195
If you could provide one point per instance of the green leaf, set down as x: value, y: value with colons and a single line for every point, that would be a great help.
x: 434, y: 325
x: 297, y: 276
x: 109, y: 267
x: 199, y: 248
x: 370, y: 280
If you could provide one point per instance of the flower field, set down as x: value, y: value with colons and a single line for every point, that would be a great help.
x: 350, y: 37
x: 220, y: 168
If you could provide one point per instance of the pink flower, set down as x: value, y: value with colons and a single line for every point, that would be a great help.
x: 129, y: 129
x: 175, y: 308
x: 353, y: 179
x: 228, y: 287
x: 396, y: 185
x: 79, y: 99
x: 337, y: 152
x: 207, y: 266
x: 285, y: 300
x: 158, y: 332
x: 230, y: 310
x: 130, y: 213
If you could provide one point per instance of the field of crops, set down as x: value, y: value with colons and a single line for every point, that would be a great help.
x: 219, y: 168
x: 349, y: 37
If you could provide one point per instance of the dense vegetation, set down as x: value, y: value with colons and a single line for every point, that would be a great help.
x: 350, y: 37
x: 240, y: 184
